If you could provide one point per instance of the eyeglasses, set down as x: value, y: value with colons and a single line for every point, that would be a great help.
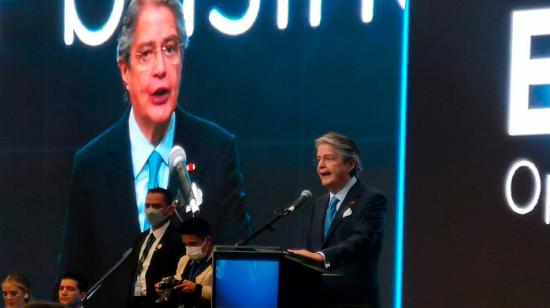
x: 327, y: 158
x: 170, y: 52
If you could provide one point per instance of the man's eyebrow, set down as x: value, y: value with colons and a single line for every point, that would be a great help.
x: 170, y: 38
x: 145, y: 44
x: 152, y: 204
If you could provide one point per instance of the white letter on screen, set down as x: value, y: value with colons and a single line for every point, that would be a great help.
x: 525, y: 71
x: 73, y: 25
x: 189, y: 16
x: 282, y: 14
x: 402, y: 3
x: 314, y: 13
x: 529, y: 206
x: 367, y: 10
x: 235, y: 26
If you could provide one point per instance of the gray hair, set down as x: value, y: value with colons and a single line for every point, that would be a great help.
x: 344, y: 146
x: 129, y: 22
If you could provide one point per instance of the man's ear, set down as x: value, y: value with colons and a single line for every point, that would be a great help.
x: 171, y: 209
x: 352, y: 164
x: 83, y: 295
x: 124, y: 68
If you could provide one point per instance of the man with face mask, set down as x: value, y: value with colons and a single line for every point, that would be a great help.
x: 195, y: 267
x: 158, y: 249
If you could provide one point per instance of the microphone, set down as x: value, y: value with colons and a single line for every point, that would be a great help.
x: 178, y: 162
x: 304, y: 196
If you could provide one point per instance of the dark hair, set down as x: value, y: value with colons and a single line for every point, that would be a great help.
x: 195, y: 226
x: 81, y: 282
x: 165, y: 192
x: 129, y: 22
x: 20, y: 281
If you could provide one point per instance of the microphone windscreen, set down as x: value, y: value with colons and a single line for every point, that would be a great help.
x: 177, y: 155
x: 306, y: 194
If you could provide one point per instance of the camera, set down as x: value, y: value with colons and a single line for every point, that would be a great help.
x: 167, y: 284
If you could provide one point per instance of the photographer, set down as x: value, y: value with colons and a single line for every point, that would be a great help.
x: 193, y: 287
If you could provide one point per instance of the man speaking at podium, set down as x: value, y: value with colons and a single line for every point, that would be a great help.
x: 347, y: 225
x: 112, y: 173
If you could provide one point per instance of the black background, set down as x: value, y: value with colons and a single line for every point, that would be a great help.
x: 464, y: 247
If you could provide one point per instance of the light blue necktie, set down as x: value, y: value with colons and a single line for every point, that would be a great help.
x: 331, y: 213
x: 153, y: 162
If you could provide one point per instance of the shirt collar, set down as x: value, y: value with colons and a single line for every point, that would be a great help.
x: 158, y: 233
x: 341, y: 195
x: 142, y: 149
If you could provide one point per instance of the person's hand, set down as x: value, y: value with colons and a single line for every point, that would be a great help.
x: 317, y: 257
x: 186, y: 286
x: 159, y: 291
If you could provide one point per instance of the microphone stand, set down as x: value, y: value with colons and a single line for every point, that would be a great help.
x: 98, y: 284
x: 268, y: 225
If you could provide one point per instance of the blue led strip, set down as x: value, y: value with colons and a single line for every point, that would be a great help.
x: 400, y: 221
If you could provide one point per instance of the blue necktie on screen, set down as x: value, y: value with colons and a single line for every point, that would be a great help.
x: 331, y: 213
x: 153, y: 162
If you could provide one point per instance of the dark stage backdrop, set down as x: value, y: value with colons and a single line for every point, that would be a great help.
x: 276, y: 90
x: 466, y: 245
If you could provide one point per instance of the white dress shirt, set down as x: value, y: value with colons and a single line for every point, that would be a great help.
x: 342, y: 193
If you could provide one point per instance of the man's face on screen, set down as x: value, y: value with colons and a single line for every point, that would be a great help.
x: 153, y: 74
x: 331, y: 168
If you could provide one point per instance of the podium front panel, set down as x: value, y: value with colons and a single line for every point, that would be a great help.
x: 245, y: 279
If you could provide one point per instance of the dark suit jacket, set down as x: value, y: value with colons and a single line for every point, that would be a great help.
x: 164, y: 261
x: 353, y: 244
x: 102, y: 220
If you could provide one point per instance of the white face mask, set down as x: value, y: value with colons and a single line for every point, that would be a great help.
x: 195, y: 253
x: 154, y: 216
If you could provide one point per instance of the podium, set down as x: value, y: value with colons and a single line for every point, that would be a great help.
x: 264, y: 277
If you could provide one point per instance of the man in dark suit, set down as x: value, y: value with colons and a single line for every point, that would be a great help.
x: 158, y: 250
x: 347, y: 225
x: 112, y: 173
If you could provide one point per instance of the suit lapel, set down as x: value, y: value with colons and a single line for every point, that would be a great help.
x: 319, y: 222
x: 161, y: 245
x: 351, y: 197
x: 121, y: 179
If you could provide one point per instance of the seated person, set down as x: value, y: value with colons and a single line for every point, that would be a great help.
x: 16, y: 290
x: 194, y: 271
x: 72, y: 290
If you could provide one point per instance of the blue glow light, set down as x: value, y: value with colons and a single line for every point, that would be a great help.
x: 400, y: 215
